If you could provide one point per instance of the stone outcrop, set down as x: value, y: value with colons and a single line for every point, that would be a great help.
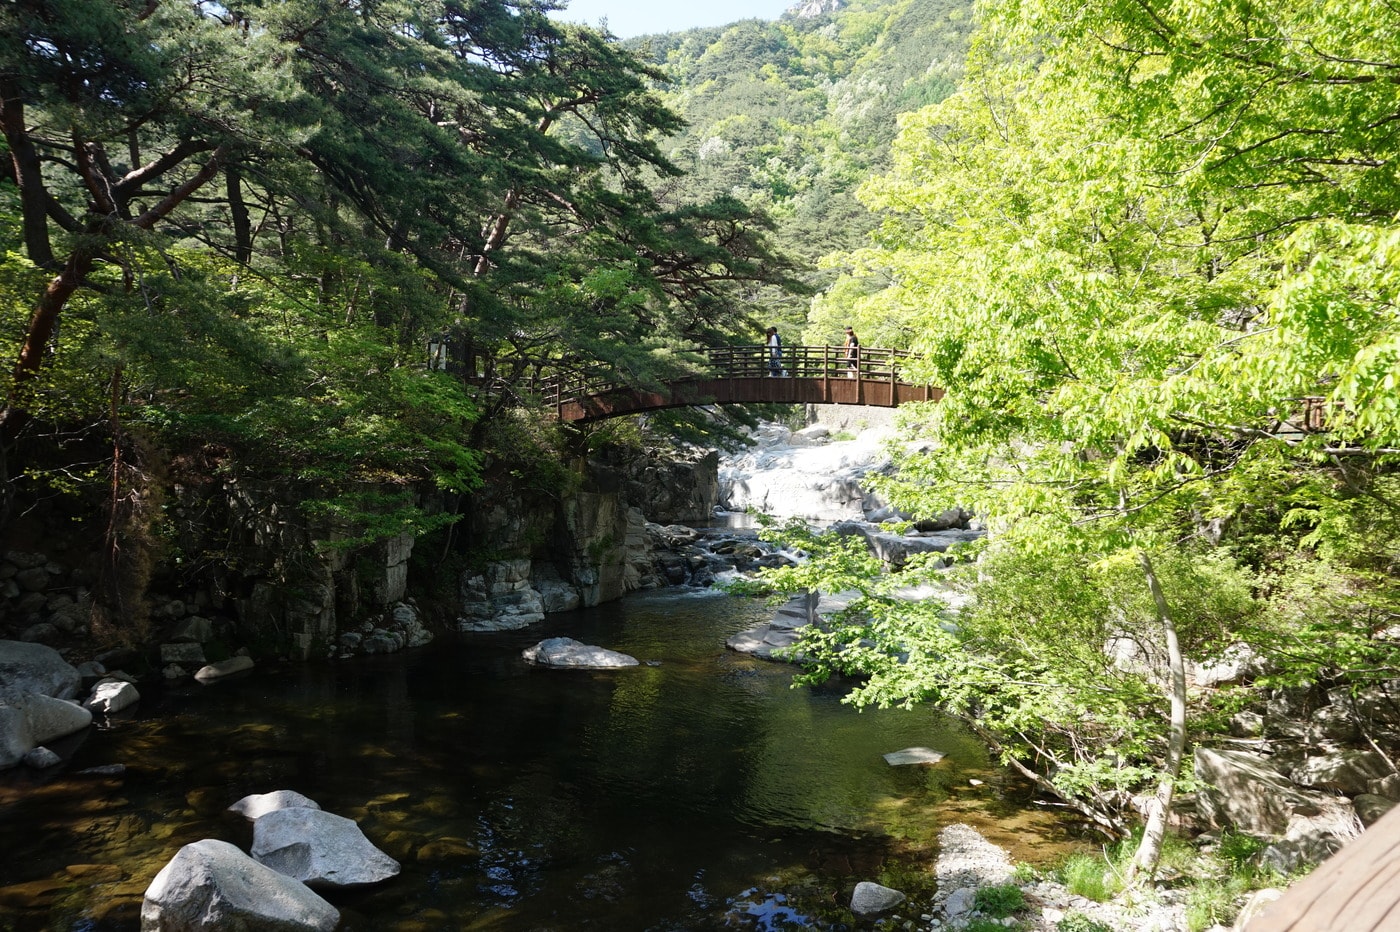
x: 321, y: 849
x: 776, y: 639
x: 213, y: 885
x: 585, y: 548
x: 676, y: 487
x: 895, y: 550
x: 500, y: 597
x: 1246, y: 791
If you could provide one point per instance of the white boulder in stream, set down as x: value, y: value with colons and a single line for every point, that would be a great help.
x: 871, y: 899
x: 568, y: 653
x: 913, y: 756
x: 213, y: 885
x: 111, y: 696
x: 319, y: 848
x: 258, y: 805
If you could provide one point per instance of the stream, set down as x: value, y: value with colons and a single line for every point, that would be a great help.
x: 698, y: 791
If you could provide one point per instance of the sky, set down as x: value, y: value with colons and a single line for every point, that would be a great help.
x: 628, y: 18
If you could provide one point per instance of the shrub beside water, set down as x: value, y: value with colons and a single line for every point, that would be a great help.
x: 1000, y: 901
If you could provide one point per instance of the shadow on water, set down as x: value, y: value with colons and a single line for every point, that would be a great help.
x: 699, y: 791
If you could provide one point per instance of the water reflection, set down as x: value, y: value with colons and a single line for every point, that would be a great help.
x: 701, y: 792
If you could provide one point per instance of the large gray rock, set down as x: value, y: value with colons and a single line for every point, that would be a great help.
x: 871, y: 899
x: 258, y: 805
x: 28, y: 721
x: 319, y: 848
x: 15, y: 738
x: 183, y: 652
x: 1246, y: 791
x: 566, y: 652
x: 897, y: 549
x: 51, y: 718
x: 1345, y: 771
x: 212, y: 885
x: 1236, y: 663
x: 34, y: 668
x: 194, y: 630
x: 773, y: 641
x: 1371, y: 808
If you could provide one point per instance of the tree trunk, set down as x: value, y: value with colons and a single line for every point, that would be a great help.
x: 33, y: 198
x: 238, y: 212
x: 1149, y: 852
x: 51, y: 303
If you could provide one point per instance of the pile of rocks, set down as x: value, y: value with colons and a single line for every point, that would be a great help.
x: 400, y: 627
x: 296, y: 847
x: 686, y: 556
x: 41, y: 600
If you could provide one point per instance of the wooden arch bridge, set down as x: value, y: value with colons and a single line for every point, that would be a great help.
x: 733, y: 375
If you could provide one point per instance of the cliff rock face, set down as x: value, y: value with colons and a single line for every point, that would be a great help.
x: 272, y: 569
x: 584, y: 549
x: 245, y: 561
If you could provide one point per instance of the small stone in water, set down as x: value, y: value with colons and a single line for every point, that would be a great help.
x: 914, y: 756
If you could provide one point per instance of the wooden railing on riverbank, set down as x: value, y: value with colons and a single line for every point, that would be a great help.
x: 732, y: 375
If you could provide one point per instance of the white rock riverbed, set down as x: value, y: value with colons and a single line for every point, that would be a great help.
x: 968, y: 862
x: 805, y: 474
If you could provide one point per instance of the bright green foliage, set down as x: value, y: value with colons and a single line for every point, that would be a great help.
x: 1088, y: 876
x: 1129, y: 246
x: 999, y: 902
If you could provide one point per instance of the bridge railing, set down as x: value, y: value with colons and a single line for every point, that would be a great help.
x: 808, y: 362
x: 574, y: 384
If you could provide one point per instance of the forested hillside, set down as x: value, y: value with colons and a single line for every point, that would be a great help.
x: 790, y: 116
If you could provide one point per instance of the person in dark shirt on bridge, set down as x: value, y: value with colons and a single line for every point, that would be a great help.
x: 852, y: 353
x: 775, y: 352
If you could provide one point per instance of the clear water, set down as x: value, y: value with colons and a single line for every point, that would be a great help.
x: 701, y: 792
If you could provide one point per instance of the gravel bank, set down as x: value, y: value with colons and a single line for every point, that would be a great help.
x: 968, y: 862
